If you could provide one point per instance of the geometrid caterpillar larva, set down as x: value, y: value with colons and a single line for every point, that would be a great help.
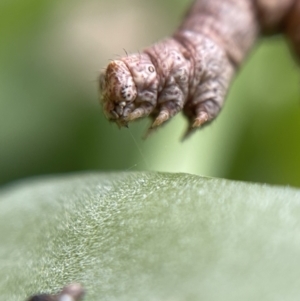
x: 192, y: 70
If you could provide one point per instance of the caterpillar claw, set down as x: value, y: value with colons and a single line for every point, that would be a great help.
x: 137, y: 113
x: 200, y: 119
x: 195, y: 123
x: 142, y: 111
x: 162, y: 117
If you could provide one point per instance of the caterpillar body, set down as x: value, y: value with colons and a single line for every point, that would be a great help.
x: 192, y: 70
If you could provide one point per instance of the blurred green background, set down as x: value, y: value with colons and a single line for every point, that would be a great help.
x: 51, y: 53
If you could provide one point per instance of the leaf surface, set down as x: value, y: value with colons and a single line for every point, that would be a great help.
x: 150, y: 236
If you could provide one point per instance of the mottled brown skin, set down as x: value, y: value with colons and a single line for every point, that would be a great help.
x: 192, y: 70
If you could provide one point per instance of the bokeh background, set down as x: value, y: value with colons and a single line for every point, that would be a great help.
x: 51, y: 53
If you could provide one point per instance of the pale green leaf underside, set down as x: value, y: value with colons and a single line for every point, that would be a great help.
x: 150, y: 236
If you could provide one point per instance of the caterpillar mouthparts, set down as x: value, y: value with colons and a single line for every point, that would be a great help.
x: 188, y: 73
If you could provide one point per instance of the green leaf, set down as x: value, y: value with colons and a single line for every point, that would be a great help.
x: 150, y: 236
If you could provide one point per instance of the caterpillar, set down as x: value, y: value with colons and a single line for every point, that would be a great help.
x: 192, y: 70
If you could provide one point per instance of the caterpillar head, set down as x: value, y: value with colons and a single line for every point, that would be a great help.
x: 118, y: 91
x: 128, y: 89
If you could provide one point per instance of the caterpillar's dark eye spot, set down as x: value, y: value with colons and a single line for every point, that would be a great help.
x: 151, y: 69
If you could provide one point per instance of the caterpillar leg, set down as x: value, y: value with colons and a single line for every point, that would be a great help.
x: 173, y: 73
x: 215, y: 72
x: 143, y: 110
x: 201, y: 114
x: 170, y: 102
x: 206, y: 103
x: 166, y: 112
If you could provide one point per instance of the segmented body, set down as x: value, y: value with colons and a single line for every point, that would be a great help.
x: 192, y: 70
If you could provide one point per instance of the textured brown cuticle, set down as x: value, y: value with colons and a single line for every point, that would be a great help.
x: 192, y: 70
